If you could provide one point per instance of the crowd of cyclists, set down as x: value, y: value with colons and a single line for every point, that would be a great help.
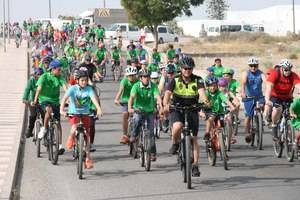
x: 74, y: 58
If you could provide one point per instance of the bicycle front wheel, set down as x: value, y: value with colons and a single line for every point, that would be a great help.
x: 259, y: 128
x: 279, y: 144
x: 147, y: 151
x: 188, y: 161
x: 223, y: 152
x: 290, y: 142
x: 55, y: 144
x: 80, y: 149
x: 37, y: 128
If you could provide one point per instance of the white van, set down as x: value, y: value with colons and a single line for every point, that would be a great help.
x: 217, y: 29
x: 132, y: 32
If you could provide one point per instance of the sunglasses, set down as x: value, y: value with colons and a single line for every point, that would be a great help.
x: 145, y: 76
x: 255, y: 66
x: 187, y: 68
x: 286, y: 70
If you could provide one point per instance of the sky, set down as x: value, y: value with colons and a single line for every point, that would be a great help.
x: 24, y: 9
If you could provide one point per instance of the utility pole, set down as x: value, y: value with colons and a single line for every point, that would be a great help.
x: 294, y: 28
x: 4, y: 40
x: 8, y: 20
x: 49, y: 8
x: 104, y: 4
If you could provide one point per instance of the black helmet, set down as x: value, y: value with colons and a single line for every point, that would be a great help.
x: 79, y: 74
x: 144, y: 72
x: 187, y: 62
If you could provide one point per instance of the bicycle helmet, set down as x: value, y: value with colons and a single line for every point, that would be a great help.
x: 38, y: 71
x: 144, y: 62
x: 223, y: 82
x: 131, y: 70
x: 211, y: 81
x: 187, y: 62
x: 144, y: 72
x: 285, y: 64
x: 154, y: 75
x: 170, y: 68
x: 228, y: 71
x: 253, y: 61
x: 79, y: 74
x: 55, y: 64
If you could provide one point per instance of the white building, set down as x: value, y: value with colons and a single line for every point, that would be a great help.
x: 277, y: 20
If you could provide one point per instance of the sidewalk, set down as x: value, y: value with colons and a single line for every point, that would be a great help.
x: 13, y: 76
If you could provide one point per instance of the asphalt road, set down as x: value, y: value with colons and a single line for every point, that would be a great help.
x: 253, y: 174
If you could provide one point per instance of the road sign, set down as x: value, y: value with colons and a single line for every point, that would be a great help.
x: 102, y: 12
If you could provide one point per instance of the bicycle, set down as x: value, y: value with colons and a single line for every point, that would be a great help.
x: 141, y: 147
x: 102, y: 69
x: 157, y: 125
x: 217, y: 141
x: 256, y: 123
x: 285, y: 134
x: 117, y: 70
x: 80, y: 145
x: 37, y: 127
x: 185, y: 153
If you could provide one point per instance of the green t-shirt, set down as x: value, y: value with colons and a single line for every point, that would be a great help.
x: 50, y: 88
x: 70, y: 51
x: 127, y: 85
x: 131, y: 54
x: 218, y: 71
x: 233, y: 86
x: 295, y: 106
x: 30, y: 90
x: 100, y: 54
x: 116, y: 55
x: 216, y: 101
x: 100, y: 32
x: 144, y: 96
x: 171, y: 54
x: 156, y: 56
x: 153, y: 67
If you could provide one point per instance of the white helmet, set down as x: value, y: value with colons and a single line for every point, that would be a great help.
x: 285, y: 64
x: 131, y: 70
x: 154, y: 75
x: 253, y: 61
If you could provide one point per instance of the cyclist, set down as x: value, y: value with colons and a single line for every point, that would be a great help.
x: 251, y: 86
x: 153, y: 66
x: 131, y: 54
x: 142, y: 98
x: 71, y: 51
x: 90, y: 68
x: 218, y: 68
x: 156, y: 55
x: 100, y: 55
x: 144, y: 64
x: 170, y: 53
x: 186, y: 89
x: 28, y: 97
x: 122, y: 98
x: 80, y: 97
x: 18, y: 33
x: 210, y: 72
x: 279, y: 89
x: 100, y: 31
x: 154, y: 78
x: 295, y: 114
x: 141, y: 53
x: 47, y: 95
x: 115, y: 56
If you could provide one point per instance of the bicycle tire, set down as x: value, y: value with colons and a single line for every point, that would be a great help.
x: 188, y: 161
x: 141, y: 150
x: 147, y: 151
x: 227, y: 139
x: 223, y: 149
x: 37, y: 128
x: 55, y: 144
x: 278, y: 145
x: 253, y: 125
x: 49, y: 146
x: 80, y: 155
x: 259, y: 139
x: 211, y: 153
x: 183, y: 156
x: 235, y: 125
x: 290, y: 143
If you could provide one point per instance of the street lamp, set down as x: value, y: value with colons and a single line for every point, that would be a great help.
x: 49, y: 8
x: 294, y: 28
x: 4, y: 41
x: 8, y: 21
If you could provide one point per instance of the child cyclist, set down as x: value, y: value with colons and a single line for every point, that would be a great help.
x: 295, y: 114
x: 80, y: 97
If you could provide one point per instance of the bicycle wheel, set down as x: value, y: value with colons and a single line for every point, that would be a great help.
x: 235, y: 124
x: 182, y: 154
x: 290, y: 142
x: 253, y: 125
x: 223, y: 149
x: 188, y: 161
x: 55, y: 144
x: 49, y: 145
x: 227, y: 139
x: 279, y: 144
x: 211, y: 151
x: 157, y: 127
x: 80, y: 155
x: 141, y: 150
x: 37, y: 128
x: 147, y: 151
x: 259, y: 128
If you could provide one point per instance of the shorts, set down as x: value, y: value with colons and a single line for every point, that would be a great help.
x: 86, y: 120
x: 55, y: 108
x: 276, y: 100
x: 124, y: 107
x: 249, y: 105
x: 193, y: 120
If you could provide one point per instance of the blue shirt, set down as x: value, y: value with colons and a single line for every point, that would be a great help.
x: 80, y: 99
x: 254, y: 84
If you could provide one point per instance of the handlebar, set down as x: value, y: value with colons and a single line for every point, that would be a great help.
x: 194, y: 107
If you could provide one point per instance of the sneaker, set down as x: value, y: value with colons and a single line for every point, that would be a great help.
x: 42, y: 133
x: 195, y: 171
x: 92, y: 148
x: 88, y: 164
x: 153, y: 157
x: 70, y: 142
x: 174, y: 148
x: 28, y: 133
x: 124, y: 139
x: 61, y: 151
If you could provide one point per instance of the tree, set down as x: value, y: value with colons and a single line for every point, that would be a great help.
x: 174, y: 27
x: 216, y: 9
x: 151, y: 13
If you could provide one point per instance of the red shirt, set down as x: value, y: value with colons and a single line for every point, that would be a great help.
x: 283, y: 88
